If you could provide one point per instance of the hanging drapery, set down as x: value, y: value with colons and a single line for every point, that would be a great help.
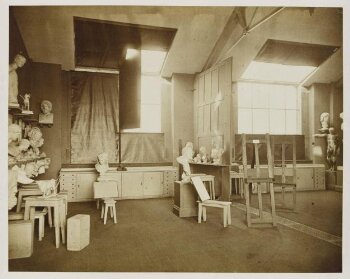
x: 94, y: 105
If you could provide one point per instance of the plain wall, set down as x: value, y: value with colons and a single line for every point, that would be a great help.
x: 181, y: 111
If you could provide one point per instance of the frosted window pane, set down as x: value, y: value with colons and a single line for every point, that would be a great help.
x: 277, y: 122
x: 291, y: 122
x: 244, y: 95
x: 245, y: 121
x: 150, y: 118
x: 260, y: 97
x: 260, y: 121
x: 291, y: 97
x: 277, y: 99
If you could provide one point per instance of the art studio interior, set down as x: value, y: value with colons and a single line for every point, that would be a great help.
x: 175, y: 139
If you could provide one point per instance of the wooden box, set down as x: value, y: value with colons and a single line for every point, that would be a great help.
x: 20, y: 239
x: 185, y: 199
x: 78, y: 232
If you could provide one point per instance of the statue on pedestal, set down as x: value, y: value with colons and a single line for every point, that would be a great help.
x: 18, y: 62
x: 332, y: 149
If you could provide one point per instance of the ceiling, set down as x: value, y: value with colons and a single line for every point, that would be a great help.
x: 48, y: 31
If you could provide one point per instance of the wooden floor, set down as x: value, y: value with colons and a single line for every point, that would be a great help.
x: 150, y: 238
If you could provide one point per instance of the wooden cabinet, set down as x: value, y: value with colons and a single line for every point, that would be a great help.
x: 305, y: 179
x: 78, y: 184
x: 132, y: 185
x: 135, y: 183
x: 153, y: 183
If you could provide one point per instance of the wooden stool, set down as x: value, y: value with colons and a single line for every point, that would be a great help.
x: 40, y: 215
x: 239, y: 182
x: 59, y: 213
x: 24, y: 192
x: 210, y: 179
x: 108, y: 203
x: 64, y: 194
x: 226, y: 206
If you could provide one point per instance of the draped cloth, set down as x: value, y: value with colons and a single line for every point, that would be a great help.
x: 95, y: 117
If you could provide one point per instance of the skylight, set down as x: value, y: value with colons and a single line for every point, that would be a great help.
x: 261, y: 71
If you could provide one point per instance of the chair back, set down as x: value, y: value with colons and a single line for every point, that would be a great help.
x: 255, y: 160
x: 200, y: 188
x: 106, y: 189
x: 283, y: 145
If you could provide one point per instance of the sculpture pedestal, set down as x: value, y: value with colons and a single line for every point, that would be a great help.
x: 185, y: 199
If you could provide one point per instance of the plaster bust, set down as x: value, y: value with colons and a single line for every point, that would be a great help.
x: 46, y: 117
x: 14, y: 132
x: 102, y: 163
x: 18, y: 62
x: 216, y: 154
x: 324, y: 119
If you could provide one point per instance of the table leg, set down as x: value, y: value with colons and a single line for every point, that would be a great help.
x: 57, y: 224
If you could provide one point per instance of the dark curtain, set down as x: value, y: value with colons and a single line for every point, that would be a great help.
x: 94, y: 105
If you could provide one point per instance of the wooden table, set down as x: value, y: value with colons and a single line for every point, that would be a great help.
x: 59, y: 213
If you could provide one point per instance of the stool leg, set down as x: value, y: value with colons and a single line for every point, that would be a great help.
x: 247, y: 202
x: 40, y: 228
x: 200, y: 208
x: 57, y: 225
x: 111, y: 211
x: 260, y: 200
x: 105, y: 214
x: 98, y: 203
x: 114, y: 214
x: 273, y: 206
x: 63, y: 222
x: 102, y: 210
x: 49, y: 216
x: 229, y: 214
x: 225, y: 216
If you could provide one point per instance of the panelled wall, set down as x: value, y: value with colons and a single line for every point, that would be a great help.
x: 212, y: 114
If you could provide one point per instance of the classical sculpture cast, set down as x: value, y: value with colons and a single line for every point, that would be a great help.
x: 46, y: 117
x: 102, y: 163
x: 332, y: 149
x: 324, y: 119
x: 185, y: 159
x: 18, y: 62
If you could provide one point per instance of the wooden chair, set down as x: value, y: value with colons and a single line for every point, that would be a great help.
x: 254, y: 176
x: 107, y: 191
x: 205, y: 202
x: 287, y: 177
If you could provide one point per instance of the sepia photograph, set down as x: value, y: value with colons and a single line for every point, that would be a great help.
x: 175, y: 139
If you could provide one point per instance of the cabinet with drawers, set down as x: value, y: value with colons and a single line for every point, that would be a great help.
x: 135, y: 183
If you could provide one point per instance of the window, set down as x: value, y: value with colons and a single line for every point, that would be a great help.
x: 151, y: 65
x: 268, y: 108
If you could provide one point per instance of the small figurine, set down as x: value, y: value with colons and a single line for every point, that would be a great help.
x: 197, y: 159
x: 18, y: 62
x: 48, y: 187
x: 324, y: 119
x: 46, y: 117
x: 26, y: 101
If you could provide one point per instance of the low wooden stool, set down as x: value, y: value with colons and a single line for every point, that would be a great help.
x: 78, y: 232
x: 108, y: 203
x: 239, y: 182
x: 225, y: 205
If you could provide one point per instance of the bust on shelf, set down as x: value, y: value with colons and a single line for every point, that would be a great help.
x: 216, y: 154
x: 324, y: 119
x: 46, y: 117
